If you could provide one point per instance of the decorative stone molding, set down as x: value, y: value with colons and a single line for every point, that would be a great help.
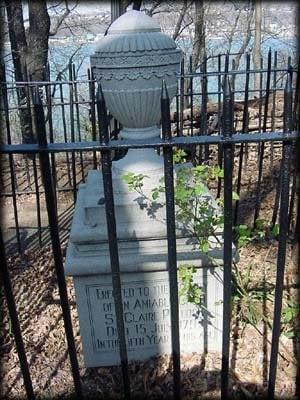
x: 133, y: 75
x: 132, y: 60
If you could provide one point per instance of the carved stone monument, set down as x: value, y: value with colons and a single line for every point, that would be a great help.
x: 131, y: 62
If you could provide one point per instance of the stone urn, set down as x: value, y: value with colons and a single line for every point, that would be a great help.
x: 130, y: 62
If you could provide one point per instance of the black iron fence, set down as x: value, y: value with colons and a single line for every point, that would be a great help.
x: 209, y: 133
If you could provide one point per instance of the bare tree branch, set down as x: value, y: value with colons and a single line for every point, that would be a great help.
x: 180, y: 19
x: 247, y: 39
x: 151, y: 11
x: 61, y: 19
x: 233, y: 30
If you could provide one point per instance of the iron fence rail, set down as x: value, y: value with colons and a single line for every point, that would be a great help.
x: 149, y: 143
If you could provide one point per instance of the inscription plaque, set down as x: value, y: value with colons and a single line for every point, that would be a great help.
x: 146, y: 308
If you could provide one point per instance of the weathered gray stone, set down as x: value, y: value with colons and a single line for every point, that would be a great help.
x: 146, y: 315
x: 143, y: 265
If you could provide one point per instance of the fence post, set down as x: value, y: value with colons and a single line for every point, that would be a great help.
x: 171, y: 234
x: 39, y: 119
x: 112, y: 237
x: 13, y: 314
x: 283, y: 231
x: 228, y: 164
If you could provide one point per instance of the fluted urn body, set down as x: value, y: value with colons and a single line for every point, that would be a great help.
x: 130, y: 62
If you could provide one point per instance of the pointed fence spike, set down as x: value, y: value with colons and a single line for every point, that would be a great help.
x: 102, y: 115
x: 99, y: 94
x: 288, y: 104
x: 226, y: 61
x: 227, y: 108
x: 165, y: 112
x: 164, y: 90
x: 36, y: 97
x: 2, y: 65
x: 227, y: 86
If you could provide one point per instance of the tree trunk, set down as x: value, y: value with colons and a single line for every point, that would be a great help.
x: 198, y: 50
x: 38, y: 35
x: 18, y: 46
x: 257, y: 42
x: 17, y: 37
x: 199, y: 38
x: 29, y: 52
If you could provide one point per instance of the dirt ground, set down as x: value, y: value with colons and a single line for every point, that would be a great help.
x: 36, y: 294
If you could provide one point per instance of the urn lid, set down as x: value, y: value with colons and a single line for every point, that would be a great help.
x: 134, y: 32
x: 133, y: 21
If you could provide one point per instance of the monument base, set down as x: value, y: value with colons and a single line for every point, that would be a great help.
x: 143, y: 259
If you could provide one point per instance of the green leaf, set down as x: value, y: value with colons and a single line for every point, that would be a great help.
x: 235, y: 196
x: 260, y: 223
x: 179, y: 155
x: 205, y: 247
x: 199, y: 190
x: 155, y: 195
x: 275, y: 230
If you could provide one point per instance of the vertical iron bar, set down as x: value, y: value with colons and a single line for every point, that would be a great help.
x: 35, y: 174
x: 63, y: 114
x: 181, y: 95
x: 92, y: 112
x: 54, y: 233
x: 78, y: 120
x: 191, y: 97
x: 273, y: 110
x: 293, y: 196
x: 112, y: 237
x: 10, y: 158
x: 228, y: 164
x: 267, y: 94
x: 73, y: 159
x: 294, y: 189
x: 177, y: 113
x: 13, y: 315
x: 226, y: 66
x: 260, y: 106
x: 220, y: 148
x: 283, y: 231
x: 244, y: 130
x: 51, y: 134
x: 171, y: 234
x: 233, y: 76
x: 204, y: 106
x: 277, y: 197
x: 262, y: 145
x: 37, y: 197
x: 296, y: 99
x: 27, y: 95
x: 260, y: 94
x: 219, y: 91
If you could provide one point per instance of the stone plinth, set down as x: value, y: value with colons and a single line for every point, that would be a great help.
x: 144, y: 276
